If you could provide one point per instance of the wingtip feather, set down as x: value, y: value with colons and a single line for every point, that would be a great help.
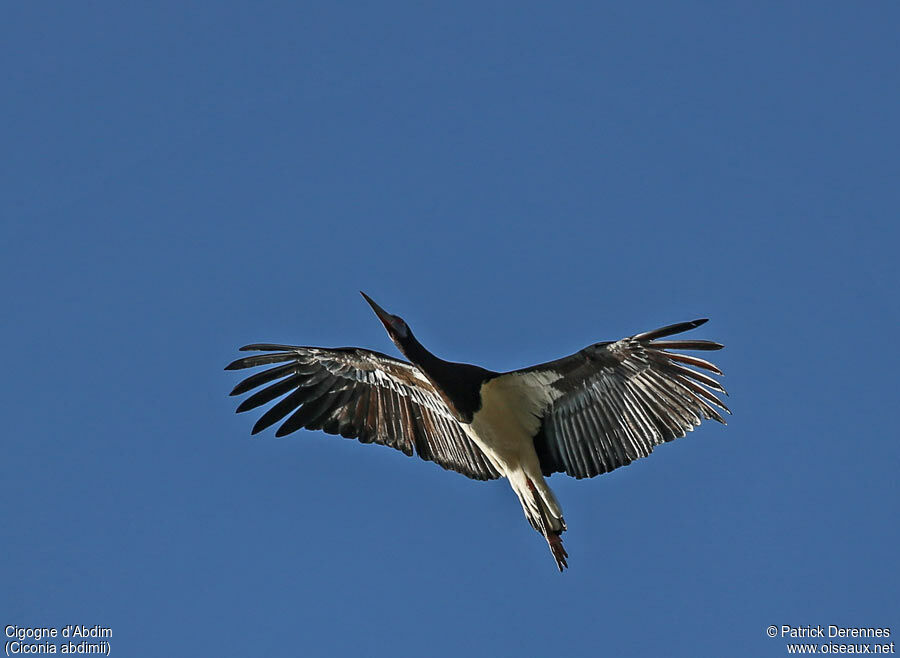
x: 669, y: 330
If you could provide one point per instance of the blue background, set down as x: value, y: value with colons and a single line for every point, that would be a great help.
x: 517, y: 180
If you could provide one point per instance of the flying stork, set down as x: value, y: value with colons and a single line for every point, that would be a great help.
x: 583, y: 415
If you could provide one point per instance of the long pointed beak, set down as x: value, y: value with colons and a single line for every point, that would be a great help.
x: 384, y: 316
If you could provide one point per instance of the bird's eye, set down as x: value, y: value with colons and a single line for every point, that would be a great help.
x: 400, y: 326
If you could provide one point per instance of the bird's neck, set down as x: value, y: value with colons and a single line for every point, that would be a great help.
x: 459, y: 384
x: 427, y: 362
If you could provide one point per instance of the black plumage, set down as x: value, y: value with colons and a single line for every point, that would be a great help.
x: 622, y: 399
x: 360, y: 394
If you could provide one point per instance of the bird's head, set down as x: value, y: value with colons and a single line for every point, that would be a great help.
x: 396, y: 326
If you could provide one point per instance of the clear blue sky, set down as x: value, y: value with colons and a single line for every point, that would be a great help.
x: 517, y: 180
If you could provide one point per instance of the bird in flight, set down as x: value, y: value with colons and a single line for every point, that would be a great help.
x: 583, y: 415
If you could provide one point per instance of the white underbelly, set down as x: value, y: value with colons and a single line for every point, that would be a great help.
x: 505, y: 446
x: 504, y: 429
x: 505, y: 426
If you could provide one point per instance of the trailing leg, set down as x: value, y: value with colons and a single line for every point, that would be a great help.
x: 547, y: 521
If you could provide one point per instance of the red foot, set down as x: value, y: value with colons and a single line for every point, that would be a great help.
x: 559, y: 553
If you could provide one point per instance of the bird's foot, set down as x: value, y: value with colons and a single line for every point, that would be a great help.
x: 559, y: 553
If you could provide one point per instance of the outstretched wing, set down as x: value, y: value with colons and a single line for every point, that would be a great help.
x: 612, y: 403
x: 358, y: 394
